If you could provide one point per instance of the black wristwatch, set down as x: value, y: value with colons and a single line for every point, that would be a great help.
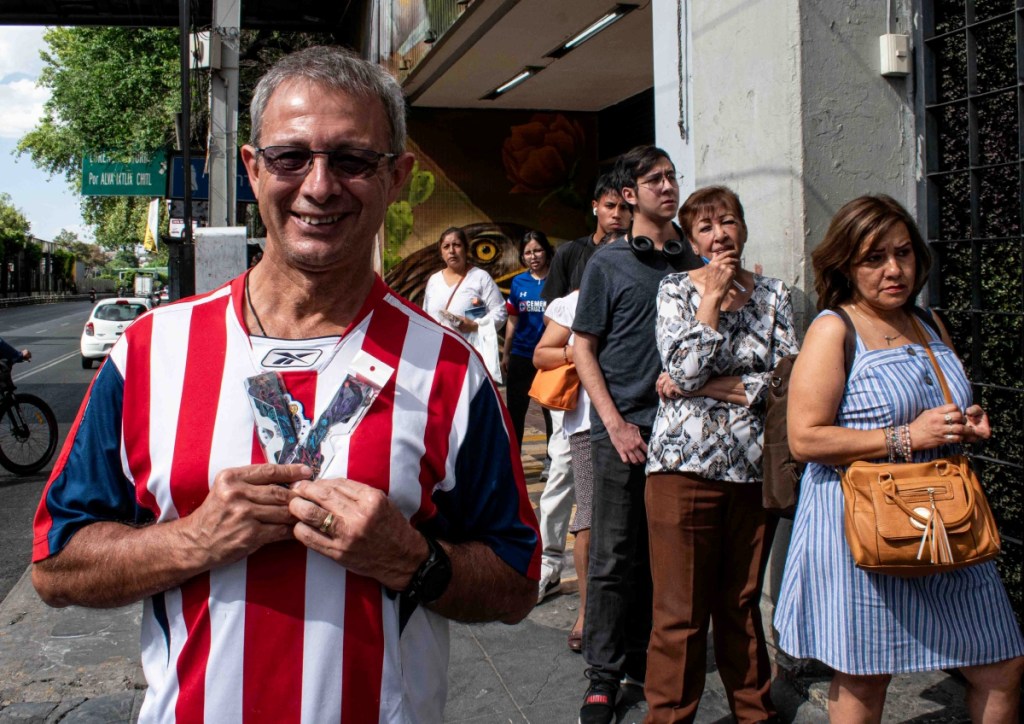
x: 431, y: 579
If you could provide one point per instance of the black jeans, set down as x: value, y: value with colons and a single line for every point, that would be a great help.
x: 617, y: 627
x: 517, y: 395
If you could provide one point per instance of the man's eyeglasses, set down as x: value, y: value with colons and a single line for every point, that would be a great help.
x: 292, y: 161
x: 661, y: 178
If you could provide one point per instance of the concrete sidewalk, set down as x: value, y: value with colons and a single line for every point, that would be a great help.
x: 80, y: 666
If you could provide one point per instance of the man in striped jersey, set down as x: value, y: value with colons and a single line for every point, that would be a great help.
x: 270, y: 596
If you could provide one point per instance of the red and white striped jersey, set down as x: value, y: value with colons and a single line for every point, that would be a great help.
x: 288, y: 635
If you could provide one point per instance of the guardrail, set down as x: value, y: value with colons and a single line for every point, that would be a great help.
x: 41, y: 299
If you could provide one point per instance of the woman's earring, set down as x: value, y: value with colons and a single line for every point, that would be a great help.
x: 595, y: 211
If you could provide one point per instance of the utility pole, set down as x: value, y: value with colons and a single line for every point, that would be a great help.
x: 223, y: 149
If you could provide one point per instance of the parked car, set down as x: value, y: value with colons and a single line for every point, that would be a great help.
x: 165, y: 296
x: 106, y: 323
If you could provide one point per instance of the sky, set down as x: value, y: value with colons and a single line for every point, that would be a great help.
x: 47, y: 202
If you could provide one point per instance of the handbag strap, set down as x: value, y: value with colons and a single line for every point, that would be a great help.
x: 923, y: 339
x: 457, y: 285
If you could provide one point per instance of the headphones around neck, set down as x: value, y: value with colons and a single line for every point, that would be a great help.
x: 673, y: 250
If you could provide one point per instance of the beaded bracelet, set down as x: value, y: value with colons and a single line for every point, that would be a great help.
x: 890, y: 445
x: 908, y: 451
x: 901, y: 452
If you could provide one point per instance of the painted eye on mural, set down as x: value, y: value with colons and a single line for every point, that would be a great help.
x: 484, y: 249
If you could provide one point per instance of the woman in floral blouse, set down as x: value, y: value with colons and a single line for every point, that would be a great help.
x: 721, y: 329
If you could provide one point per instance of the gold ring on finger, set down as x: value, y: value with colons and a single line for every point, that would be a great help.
x: 950, y: 436
x: 949, y: 419
x: 326, y: 525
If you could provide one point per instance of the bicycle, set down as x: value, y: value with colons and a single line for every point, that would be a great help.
x: 28, y: 428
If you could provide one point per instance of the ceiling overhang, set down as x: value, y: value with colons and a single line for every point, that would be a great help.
x: 490, y: 43
x: 320, y: 16
x: 494, y: 40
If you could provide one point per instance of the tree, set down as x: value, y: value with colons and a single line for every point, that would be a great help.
x: 14, y: 227
x: 89, y: 254
x: 111, y: 89
x: 66, y: 238
x: 114, y: 90
x: 117, y: 90
x: 14, y: 238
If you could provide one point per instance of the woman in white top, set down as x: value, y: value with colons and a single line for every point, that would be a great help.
x: 466, y: 299
x: 554, y: 349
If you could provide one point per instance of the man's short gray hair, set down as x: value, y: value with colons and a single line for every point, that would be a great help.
x: 338, y: 69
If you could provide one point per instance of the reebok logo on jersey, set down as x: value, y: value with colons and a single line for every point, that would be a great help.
x: 291, y: 358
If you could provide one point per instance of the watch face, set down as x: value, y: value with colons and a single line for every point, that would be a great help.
x: 434, y: 575
x: 435, y: 580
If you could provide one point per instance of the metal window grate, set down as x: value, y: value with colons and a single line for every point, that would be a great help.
x: 971, y: 95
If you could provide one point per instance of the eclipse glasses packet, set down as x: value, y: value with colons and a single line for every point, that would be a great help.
x: 288, y: 436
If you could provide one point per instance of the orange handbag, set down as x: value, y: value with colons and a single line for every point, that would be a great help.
x: 556, y: 389
x: 915, y: 519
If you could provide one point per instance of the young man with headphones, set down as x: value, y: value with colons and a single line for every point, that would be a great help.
x: 618, y: 363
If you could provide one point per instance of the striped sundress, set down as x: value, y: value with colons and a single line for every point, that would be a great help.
x: 865, y: 623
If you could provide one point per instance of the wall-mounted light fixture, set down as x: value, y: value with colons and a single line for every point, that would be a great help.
x: 519, y: 78
x: 602, y: 23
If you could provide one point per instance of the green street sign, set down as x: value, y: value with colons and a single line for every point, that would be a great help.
x: 144, y: 174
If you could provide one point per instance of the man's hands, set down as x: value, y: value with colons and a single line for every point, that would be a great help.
x: 247, y: 508
x: 367, y: 534
x: 628, y: 443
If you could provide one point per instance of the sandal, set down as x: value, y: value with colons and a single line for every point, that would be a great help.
x: 576, y: 641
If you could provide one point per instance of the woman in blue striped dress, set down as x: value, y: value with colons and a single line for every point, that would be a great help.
x: 866, y: 626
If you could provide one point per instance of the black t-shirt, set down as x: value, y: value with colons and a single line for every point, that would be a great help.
x: 618, y: 305
x: 567, y: 257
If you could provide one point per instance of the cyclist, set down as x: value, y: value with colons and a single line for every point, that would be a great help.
x: 9, y: 353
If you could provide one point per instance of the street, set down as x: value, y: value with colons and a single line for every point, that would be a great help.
x: 51, y: 332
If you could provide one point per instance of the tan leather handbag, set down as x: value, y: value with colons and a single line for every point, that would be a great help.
x: 915, y: 519
x: 556, y: 389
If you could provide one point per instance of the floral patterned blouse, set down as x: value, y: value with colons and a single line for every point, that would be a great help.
x: 701, y: 435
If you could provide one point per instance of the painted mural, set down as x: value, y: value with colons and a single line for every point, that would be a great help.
x: 496, y: 174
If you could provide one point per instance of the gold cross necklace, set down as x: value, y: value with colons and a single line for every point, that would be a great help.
x: 888, y: 339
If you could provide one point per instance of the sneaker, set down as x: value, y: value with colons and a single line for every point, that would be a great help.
x: 628, y: 680
x: 550, y: 582
x: 546, y: 471
x: 599, y: 702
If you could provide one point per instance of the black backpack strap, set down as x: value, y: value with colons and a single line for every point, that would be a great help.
x: 850, y: 342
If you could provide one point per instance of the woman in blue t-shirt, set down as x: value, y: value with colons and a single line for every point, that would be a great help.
x: 524, y: 328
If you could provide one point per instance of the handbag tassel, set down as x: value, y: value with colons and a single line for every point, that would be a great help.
x: 935, y: 535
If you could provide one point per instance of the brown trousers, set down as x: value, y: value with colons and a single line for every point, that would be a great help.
x: 709, y: 543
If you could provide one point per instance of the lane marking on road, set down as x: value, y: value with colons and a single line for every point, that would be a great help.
x: 48, y: 365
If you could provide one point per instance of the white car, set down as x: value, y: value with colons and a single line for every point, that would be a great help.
x: 107, y: 322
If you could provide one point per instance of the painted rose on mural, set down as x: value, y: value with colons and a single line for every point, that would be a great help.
x: 541, y: 156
